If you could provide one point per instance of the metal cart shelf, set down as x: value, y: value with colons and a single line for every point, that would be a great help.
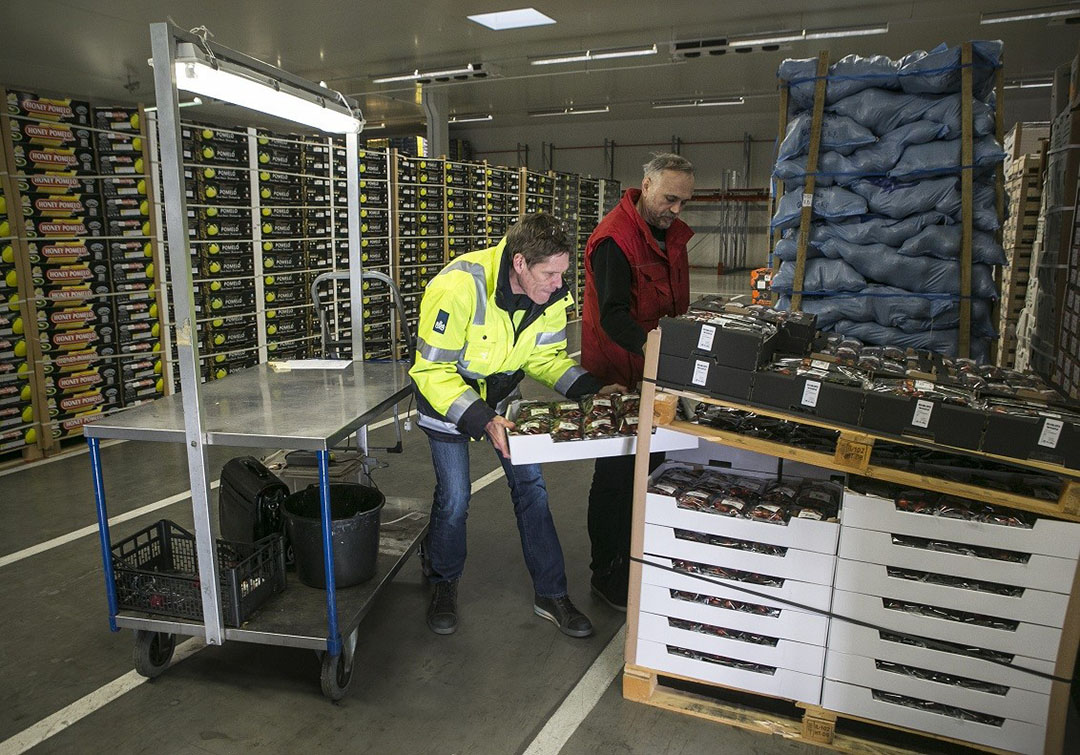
x: 303, y: 409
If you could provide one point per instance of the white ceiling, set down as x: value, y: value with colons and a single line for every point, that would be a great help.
x: 99, y: 49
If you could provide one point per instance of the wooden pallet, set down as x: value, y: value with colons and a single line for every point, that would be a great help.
x: 854, y: 449
x: 814, y: 725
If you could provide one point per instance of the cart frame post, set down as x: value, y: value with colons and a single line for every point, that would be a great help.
x: 103, y: 529
x: 163, y: 40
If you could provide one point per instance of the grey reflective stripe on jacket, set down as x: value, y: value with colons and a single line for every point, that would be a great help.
x: 433, y: 354
x: 479, y: 274
x: 546, y: 339
x: 461, y: 403
x: 562, y: 385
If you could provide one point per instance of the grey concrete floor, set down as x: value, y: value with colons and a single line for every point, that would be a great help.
x: 487, y: 689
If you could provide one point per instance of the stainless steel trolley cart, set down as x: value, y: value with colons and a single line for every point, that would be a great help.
x: 304, y: 409
x: 301, y: 409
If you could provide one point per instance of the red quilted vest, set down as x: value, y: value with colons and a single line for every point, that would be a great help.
x: 659, y: 287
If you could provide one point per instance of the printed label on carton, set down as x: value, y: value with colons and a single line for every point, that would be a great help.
x: 701, y: 372
x: 810, y: 393
x: 923, y: 410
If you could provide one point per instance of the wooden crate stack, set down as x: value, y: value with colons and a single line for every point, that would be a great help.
x: 1023, y: 188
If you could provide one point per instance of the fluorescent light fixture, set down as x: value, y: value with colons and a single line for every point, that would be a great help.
x: 1030, y: 14
x: 771, y: 38
x: 571, y: 110
x: 606, y: 54
x: 190, y: 103
x: 196, y: 72
x: 850, y: 31
x: 512, y: 19
x: 374, y: 126
x: 469, y: 70
x: 697, y: 102
x: 1029, y: 84
x: 799, y: 35
x: 470, y: 118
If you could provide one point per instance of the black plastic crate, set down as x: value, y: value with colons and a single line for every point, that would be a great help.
x: 156, y: 570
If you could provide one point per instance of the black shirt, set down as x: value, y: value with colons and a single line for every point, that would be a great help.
x: 612, y: 276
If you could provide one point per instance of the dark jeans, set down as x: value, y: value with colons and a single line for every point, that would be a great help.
x: 611, y: 508
x: 445, y: 545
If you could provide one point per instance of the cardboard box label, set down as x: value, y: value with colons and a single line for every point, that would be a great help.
x: 810, y: 393
x: 923, y: 410
x: 1051, y: 432
x: 701, y: 372
x: 705, y: 339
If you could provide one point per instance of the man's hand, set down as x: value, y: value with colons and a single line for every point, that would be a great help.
x: 496, y: 431
x: 613, y: 388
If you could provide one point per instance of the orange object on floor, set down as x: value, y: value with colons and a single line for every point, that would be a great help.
x: 760, y: 285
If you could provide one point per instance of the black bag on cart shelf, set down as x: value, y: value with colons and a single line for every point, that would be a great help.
x: 249, y: 501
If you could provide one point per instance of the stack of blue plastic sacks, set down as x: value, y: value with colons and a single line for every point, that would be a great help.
x: 882, y: 264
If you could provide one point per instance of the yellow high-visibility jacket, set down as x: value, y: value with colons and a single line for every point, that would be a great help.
x: 465, y: 343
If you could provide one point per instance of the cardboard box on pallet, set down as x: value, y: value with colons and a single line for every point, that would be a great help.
x: 809, y: 394
x: 30, y: 105
x: 943, y: 423
x: 52, y: 135
x: 57, y: 182
x: 52, y: 205
x: 727, y: 347
x: 30, y: 158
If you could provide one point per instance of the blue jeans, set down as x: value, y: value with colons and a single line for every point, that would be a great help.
x: 445, y: 544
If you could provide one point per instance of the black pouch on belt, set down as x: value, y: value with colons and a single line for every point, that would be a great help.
x: 249, y: 500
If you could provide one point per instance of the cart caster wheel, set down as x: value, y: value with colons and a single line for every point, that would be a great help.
x: 152, y: 653
x: 336, y: 676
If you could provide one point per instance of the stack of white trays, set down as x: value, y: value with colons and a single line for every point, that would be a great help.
x: 871, y: 675
x: 785, y: 658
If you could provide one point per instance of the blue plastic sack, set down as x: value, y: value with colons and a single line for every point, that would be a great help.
x: 878, y: 263
x: 873, y: 230
x: 873, y: 160
x: 819, y: 275
x: 896, y: 308
x: 943, y: 242
x: 939, y: 71
x: 942, y: 341
x: 838, y: 134
x: 882, y: 111
x: 847, y: 76
x: 900, y: 199
x: 829, y: 202
x: 922, y: 160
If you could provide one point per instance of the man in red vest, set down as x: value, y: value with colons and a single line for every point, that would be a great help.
x: 636, y: 271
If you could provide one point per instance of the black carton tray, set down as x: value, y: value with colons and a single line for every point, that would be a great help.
x: 740, y: 349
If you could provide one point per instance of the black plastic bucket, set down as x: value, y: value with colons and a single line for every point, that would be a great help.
x: 355, y: 511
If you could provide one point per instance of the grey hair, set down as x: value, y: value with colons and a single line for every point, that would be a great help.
x: 667, y: 161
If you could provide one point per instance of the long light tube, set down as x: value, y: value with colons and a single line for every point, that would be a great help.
x: 470, y: 118
x: 697, y: 102
x: 194, y: 74
x: 799, y: 35
x: 417, y: 74
x: 586, y: 55
x: 569, y: 111
x: 1029, y: 14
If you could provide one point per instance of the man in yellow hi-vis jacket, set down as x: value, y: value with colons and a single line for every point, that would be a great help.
x: 486, y: 320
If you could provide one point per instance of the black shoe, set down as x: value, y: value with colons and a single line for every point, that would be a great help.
x: 610, y: 588
x: 442, y: 611
x: 561, y: 613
